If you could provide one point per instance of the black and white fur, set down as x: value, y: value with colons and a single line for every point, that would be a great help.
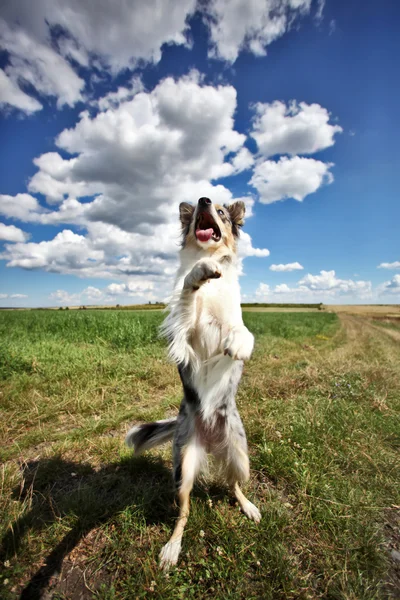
x: 209, y: 343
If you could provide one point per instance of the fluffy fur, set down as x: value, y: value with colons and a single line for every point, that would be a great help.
x: 209, y: 342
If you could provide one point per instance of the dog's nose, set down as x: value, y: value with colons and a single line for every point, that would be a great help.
x: 205, y: 201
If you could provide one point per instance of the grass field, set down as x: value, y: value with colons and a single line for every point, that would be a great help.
x: 81, y: 518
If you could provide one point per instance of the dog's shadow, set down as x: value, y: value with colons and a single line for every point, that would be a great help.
x: 56, y: 488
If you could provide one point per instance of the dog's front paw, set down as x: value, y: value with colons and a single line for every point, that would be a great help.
x: 202, y: 272
x: 239, y: 343
x: 209, y: 269
x: 169, y: 554
x: 251, y: 511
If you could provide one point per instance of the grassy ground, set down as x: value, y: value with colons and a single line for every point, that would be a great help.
x: 83, y: 519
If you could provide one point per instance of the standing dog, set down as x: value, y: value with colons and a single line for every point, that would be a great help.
x: 209, y: 342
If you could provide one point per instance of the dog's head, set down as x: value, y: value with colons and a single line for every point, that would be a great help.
x: 210, y: 226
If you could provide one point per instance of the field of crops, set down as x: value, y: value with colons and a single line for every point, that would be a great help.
x: 81, y: 518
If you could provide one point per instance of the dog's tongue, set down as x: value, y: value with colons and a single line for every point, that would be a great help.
x: 204, y: 234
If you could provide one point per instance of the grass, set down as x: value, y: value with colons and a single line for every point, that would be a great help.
x: 81, y: 518
x: 388, y: 323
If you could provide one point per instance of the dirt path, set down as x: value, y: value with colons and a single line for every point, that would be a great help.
x: 356, y: 325
x: 359, y: 330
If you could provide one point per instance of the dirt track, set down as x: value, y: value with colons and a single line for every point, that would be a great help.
x: 353, y: 324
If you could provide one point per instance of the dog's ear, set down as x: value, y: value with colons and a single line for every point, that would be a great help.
x: 186, y: 211
x: 237, y: 211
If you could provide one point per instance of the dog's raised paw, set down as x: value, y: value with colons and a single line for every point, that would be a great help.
x: 169, y: 554
x: 251, y: 511
x: 239, y: 343
x: 209, y: 269
x: 203, y: 271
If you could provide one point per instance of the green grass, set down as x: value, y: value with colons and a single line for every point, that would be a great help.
x: 320, y: 402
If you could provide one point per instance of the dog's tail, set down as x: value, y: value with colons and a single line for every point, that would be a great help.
x: 148, y: 435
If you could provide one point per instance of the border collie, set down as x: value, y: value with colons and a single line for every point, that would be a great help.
x: 209, y: 342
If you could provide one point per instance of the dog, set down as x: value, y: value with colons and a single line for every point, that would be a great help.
x: 209, y: 342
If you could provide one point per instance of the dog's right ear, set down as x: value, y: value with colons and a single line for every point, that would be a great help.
x: 186, y: 211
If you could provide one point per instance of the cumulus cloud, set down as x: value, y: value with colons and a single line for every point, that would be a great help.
x: 390, y: 287
x: 132, y: 288
x: 147, y: 154
x: 140, y: 290
x: 294, y: 129
x: 10, y: 233
x: 325, y: 286
x: 111, y: 36
x: 12, y: 95
x: 36, y: 63
x: 137, y: 159
x: 13, y: 296
x: 263, y: 290
x: 93, y: 293
x: 67, y: 252
x: 393, y: 265
x: 48, y: 45
x: 245, y: 247
x: 295, y: 177
x: 140, y: 158
x: 64, y: 297
x: 90, y: 294
x: 328, y: 282
x: 23, y: 207
x: 295, y: 266
x: 237, y: 25
x: 122, y: 94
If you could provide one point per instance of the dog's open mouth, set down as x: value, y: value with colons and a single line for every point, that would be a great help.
x: 206, y: 228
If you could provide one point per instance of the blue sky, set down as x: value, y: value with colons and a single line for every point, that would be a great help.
x: 109, y: 119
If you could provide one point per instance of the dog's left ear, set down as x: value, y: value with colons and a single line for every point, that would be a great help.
x: 237, y: 211
x: 186, y: 211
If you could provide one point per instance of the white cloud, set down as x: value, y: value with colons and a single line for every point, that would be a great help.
x: 64, y: 297
x: 393, y: 265
x: 295, y: 177
x: 243, y: 160
x: 13, y: 296
x: 245, y: 247
x: 36, y: 63
x: 319, y: 14
x: 10, y: 233
x: 22, y: 206
x: 12, y: 95
x: 142, y: 291
x: 296, y: 266
x: 122, y: 94
x: 67, y: 252
x: 132, y: 288
x: 237, y: 25
x: 140, y: 157
x: 325, y: 287
x: 145, y: 155
x: 328, y: 282
x: 263, y: 290
x: 111, y: 36
x: 390, y: 287
x: 294, y: 129
x: 93, y: 293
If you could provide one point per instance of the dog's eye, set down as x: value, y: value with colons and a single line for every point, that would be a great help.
x: 220, y: 212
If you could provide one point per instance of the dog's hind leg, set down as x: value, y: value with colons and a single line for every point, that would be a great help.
x: 192, y: 458
x: 237, y: 466
x: 247, y: 507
